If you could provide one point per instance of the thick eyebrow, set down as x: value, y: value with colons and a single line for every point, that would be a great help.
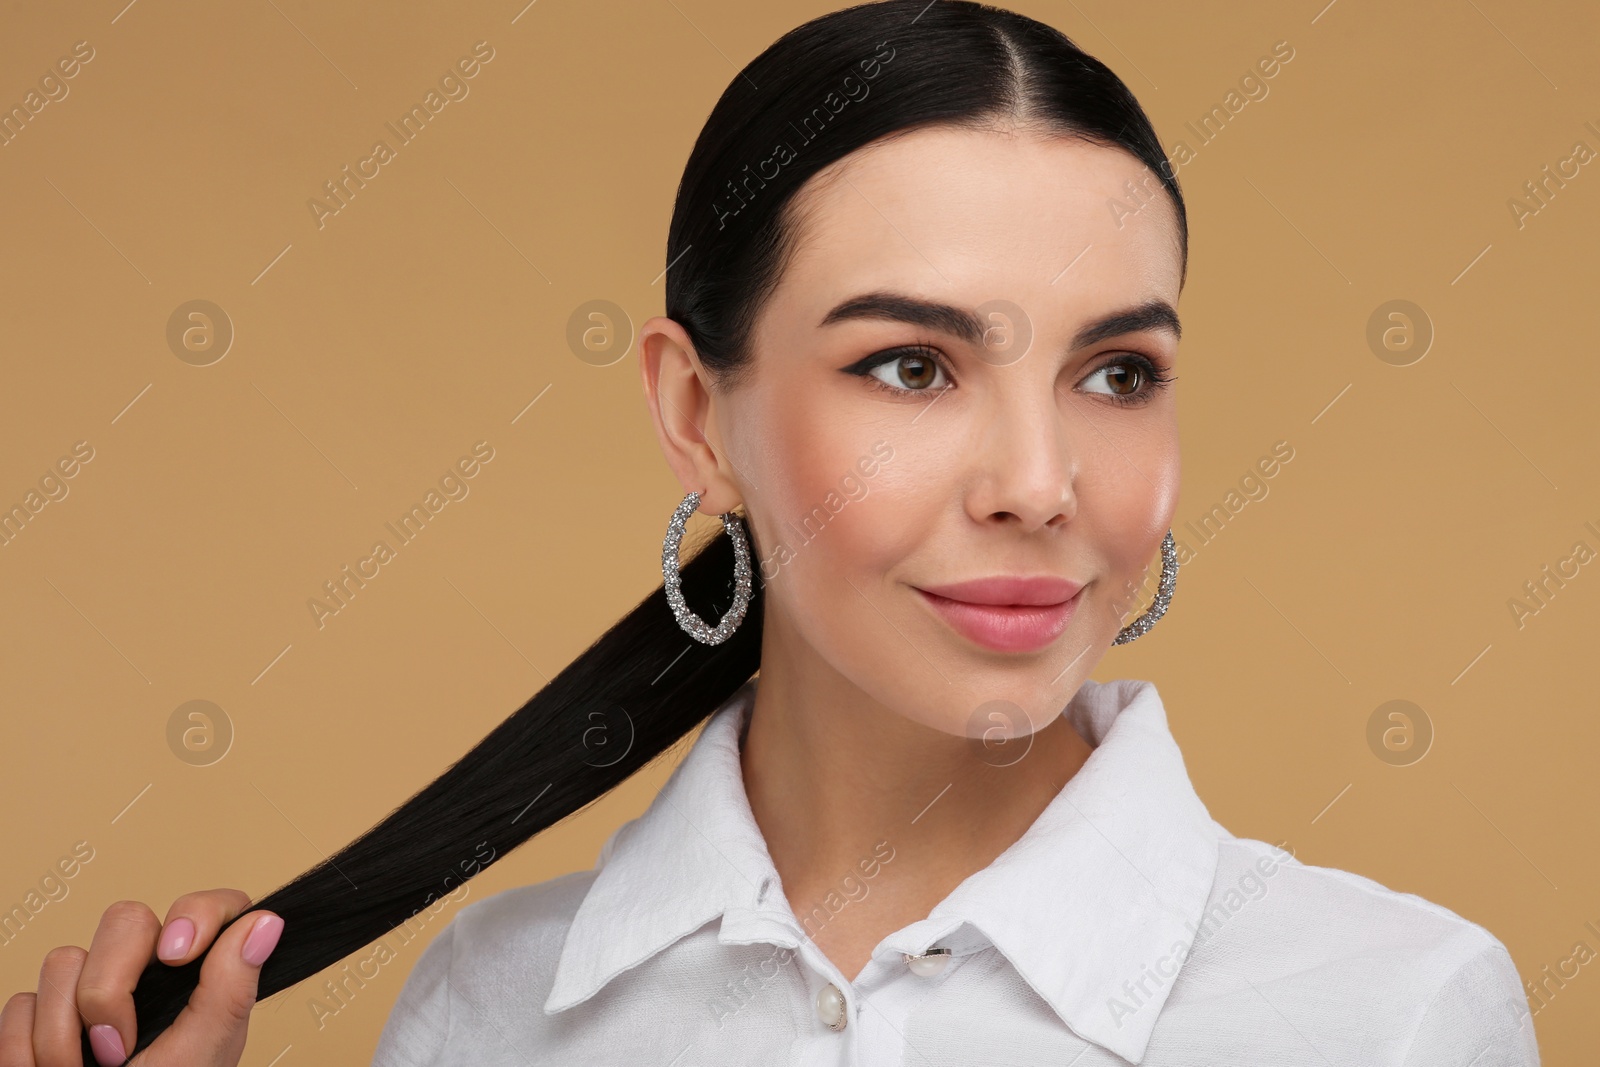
x: 965, y: 324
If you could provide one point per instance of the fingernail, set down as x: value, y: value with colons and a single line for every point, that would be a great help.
x: 175, y: 939
x: 262, y: 940
x: 107, y: 1045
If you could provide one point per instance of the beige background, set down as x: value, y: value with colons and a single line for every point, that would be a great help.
x: 431, y: 312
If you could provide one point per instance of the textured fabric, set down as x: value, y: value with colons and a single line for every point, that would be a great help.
x: 1125, y: 926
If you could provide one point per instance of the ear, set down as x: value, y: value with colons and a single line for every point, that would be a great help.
x: 678, y: 393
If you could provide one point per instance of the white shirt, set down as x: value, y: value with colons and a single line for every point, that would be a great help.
x: 1125, y: 926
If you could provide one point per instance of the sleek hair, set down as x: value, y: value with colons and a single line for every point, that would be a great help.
x: 820, y: 92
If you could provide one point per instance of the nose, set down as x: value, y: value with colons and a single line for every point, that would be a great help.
x: 1024, y: 463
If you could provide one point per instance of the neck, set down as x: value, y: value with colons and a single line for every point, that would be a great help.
x: 835, y: 778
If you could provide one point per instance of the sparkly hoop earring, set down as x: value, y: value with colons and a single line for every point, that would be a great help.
x: 1169, y: 577
x: 691, y: 623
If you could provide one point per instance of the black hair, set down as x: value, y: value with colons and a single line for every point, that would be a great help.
x: 820, y: 92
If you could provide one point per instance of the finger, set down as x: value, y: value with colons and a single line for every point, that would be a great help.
x: 193, y: 921
x: 211, y: 1028
x: 56, y: 1026
x: 122, y: 947
x: 16, y: 1031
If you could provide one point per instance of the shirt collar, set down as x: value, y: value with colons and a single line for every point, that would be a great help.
x: 1099, y: 897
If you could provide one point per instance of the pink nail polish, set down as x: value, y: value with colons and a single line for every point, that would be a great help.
x: 175, y: 939
x: 262, y: 940
x: 107, y: 1045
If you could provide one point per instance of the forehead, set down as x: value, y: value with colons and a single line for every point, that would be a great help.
x: 975, y: 215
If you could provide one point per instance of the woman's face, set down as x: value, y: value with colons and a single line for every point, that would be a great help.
x: 955, y: 380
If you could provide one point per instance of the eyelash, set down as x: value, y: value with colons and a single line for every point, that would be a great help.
x: 1149, y: 373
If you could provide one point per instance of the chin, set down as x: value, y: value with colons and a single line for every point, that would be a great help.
x: 993, y: 704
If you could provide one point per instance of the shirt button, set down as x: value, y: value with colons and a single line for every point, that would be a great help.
x: 831, y: 1007
x: 930, y: 963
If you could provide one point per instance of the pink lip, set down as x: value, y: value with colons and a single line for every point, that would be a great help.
x: 1007, y: 614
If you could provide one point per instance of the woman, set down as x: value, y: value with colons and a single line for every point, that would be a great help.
x: 920, y: 336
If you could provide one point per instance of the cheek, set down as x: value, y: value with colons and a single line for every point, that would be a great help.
x: 873, y: 523
x: 1128, y: 511
x: 819, y: 515
x: 839, y: 503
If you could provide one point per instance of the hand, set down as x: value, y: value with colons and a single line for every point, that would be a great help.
x: 95, y: 988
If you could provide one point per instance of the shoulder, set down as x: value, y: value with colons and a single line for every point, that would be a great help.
x: 1429, y: 981
x: 505, y: 945
x: 1341, y: 903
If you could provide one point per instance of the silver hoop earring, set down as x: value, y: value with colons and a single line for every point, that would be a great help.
x: 1169, y: 578
x: 691, y: 623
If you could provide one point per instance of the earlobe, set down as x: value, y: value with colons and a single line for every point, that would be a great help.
x: 681, y: 406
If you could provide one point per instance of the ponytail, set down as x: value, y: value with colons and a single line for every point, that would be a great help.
x: 630, y: 696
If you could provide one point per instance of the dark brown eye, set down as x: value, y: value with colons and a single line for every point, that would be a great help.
x: 917, y: 372
x: 1129, y: 379
x: 905, y: 371
x: 1124, y: 378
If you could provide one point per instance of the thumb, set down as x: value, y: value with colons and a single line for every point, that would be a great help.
x: 211, y: 1028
